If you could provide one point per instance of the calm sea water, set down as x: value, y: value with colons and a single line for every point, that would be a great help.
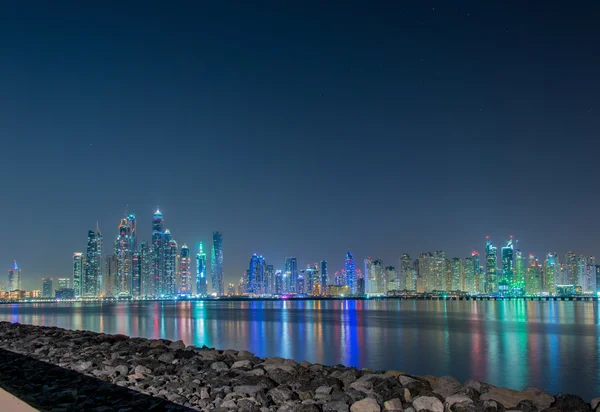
x: 552, y: 345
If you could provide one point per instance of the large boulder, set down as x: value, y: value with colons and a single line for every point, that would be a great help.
x: 427, y: 404
x: 365, y: 405
x: 445, y: 386
x: 510, y: 398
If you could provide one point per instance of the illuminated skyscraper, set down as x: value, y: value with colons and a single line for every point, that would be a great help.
x: 185, y: 271
x: 519, y: 269
x: 64, y: 283
x: 391, y: 279
x: 78, y: 271
x: 157, y: 283
x: 290, y: 275
x: 589, y: 284
x: 571, y: 261
x: 407, y: 276
x: 124, y: 258
x: 552, y: 272
x: 146, y: 271
x: 256, y: 275
x: 14, y: 278
x: 324, y: 278
x: 350, y: 280
x: 491, y: 267
x: 469, y: 275
x: 507, y: 279
x: 92, y: 279
x: 171, y: 256
x: 374, y: 276
x: 217, y: 264
x: 47, y: 291
x: 278, y: 282
x: 132, y: 232
x: 456, y: 274
x: 533, y: 282
x: 110, y: 276
x: 478, y: 274
x: 201, y: 281
x: 136, y: 274
x: 269, y: 279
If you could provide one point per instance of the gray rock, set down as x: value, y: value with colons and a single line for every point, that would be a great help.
x: 219, y: 366
x: 244, y: 354
x: 594, y: 403
x: 337, y: 406
x: 204, y: 393
x: 405, y: 380
x: 324, y: 390
x: 242, y: 364
x: 366, y: 405
x: 445, y: 386
x: 230, y: 404
x: 490, y: 406
x: 427, y: 404
x: 142, y: 370
x: 393, y: 405
x: 82, y: 366
x: 451, y: 400
x: 307, y: 407
x: 167, y: 357
x: 280, y: 394
x: 249, y: 389
x: 177, y: 345
x: 480, y: 387
x: 122, y: 370
x: 406, y: 394
x: 541, y: 399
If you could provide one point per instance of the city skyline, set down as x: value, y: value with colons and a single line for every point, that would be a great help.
x: 300, y: 131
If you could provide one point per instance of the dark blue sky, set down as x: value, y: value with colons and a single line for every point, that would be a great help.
x: 299, y: 128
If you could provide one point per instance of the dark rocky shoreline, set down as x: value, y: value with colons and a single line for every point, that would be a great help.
x: 81, y: 370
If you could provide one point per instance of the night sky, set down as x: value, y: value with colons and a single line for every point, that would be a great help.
x: 299, y: 128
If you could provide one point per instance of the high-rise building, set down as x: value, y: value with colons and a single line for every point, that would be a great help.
x: 217, y: 264
x: 231, y: 289
x: 78, y: 270
x: 571, y: 262
x: 533, y: 282
x: 290, y: 275
x: 478, y: 274
x: 374, y: 282
x: 469, y: 275
x: 47, y: 288
x: 491, y: 267
x: 269, y: 279
x: 14, y: 278
x: 146, y: 271
x: 407, y: 275
x: 552, y: 272
x: 278, y: 282
x: 92, y: 279
x: 132, y: 232
x: 157, y: 276
x: 520, y: 269
x: 201, y: 281
x: 581, y: 264
x: 136, y: 274
x: 110, y: 276
x: 456, y: 274
x: 350, y: 280
x: 360, y: 283
x: 185, y: 271
x: 256, y: 275
x: 324, y: 278
x: 171, y: 255
x: 589, y: 284
x: 124, y: 258
x: 507, y: 278
x: 597, y: 278
x: 391, y: 279
x: 64, y: 283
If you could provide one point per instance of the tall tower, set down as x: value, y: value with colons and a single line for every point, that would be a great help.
x: 110, y: 276
x: 324, y: 279
x: 508, y: 274
x: 168, y: 286
x: 256, y: 275
x: 290, y: 275
x: 133, y: 232
x: 201, y: 284
x: 217, y: 264
x: 407, y: 273
x: 14, y: 278
x: 350, y: 280
x: 552, y: 272
x: 185, y: 271
x: 478, y: 278
x: 92, y: 279
x: 269, y: 279
x: 136, y: 274
x: 456, y: 274
x: 124, y: 258
x: 158, y: 255
x: 47, y: 287
x: 469, y: 274
x: 571, y: 262
x: 491, y: 266
x: 147, y: 287
x: 78, y: 273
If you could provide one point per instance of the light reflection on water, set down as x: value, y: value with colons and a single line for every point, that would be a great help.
x: 553, y: 345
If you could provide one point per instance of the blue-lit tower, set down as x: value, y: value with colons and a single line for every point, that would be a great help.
x: 508, y: 274
x: 92, y: 279
x: 217, y: 264
x: 185, y: 271
x: 324, y: 279
x: 157, y: 268
x: 491, y: 266
x: 124, y: 259
x: 201, y: 281
x: 350, y: 280
x: 168, y: 285
x: 256, y: 275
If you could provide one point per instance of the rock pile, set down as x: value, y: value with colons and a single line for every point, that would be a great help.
x: 230, y: 380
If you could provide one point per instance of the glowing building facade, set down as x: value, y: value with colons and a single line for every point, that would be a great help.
x: 217, y: 264
x: 201, y: 279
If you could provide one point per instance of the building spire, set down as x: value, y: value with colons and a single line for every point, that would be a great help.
x: 98, y: 228
x: 16, y: 267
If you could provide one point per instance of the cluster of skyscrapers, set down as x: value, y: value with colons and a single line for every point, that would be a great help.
x: 505, y: 273
x: 159, y: 268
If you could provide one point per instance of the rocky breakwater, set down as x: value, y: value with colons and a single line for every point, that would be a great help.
x: 231, y: 380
